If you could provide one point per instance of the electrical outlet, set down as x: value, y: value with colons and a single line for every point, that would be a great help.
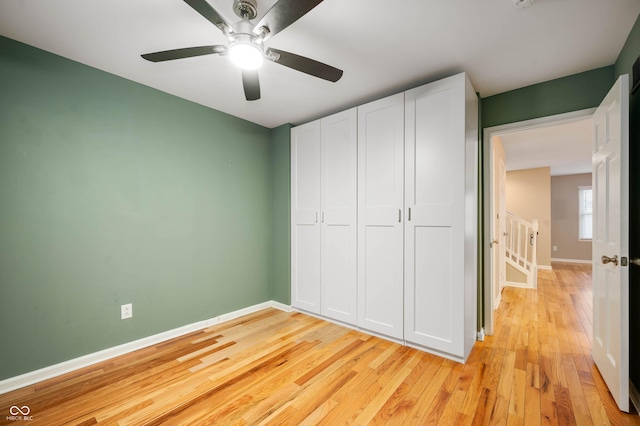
x: 555, y: 248
x: 126, y: 311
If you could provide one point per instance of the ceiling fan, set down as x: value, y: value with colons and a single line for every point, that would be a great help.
x: 246, y: 46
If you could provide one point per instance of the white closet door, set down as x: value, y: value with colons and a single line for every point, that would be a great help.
x: 380, y: 216
x: 338, y: 217
x: 435, y: 194
x: 305, y: 217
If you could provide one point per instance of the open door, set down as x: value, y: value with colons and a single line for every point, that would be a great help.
x: 499, y: 228
x: 610, y: 241
x: 502, y: 225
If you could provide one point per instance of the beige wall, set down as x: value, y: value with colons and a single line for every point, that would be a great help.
x: 529, y: 197
x: 564, y: 217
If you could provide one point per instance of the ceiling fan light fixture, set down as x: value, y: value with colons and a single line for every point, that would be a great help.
x: 246, y: 55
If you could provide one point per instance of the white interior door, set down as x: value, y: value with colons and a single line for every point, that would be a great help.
x: 338, y: 217
x: 499, y: 229
x: 502, y: 227
x: 380, y: 205
x: 305, y: 211
x: 610, y: 241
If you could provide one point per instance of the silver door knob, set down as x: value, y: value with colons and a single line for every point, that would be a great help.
x: 607, y: 259
x: 635, y: 261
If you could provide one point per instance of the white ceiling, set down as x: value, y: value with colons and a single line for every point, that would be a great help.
x: 383, y: 46
x: 565, y: 148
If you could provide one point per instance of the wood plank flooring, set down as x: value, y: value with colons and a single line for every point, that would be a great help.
x: 279, y: 368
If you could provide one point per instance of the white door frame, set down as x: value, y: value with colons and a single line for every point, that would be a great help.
x: 488, y: 134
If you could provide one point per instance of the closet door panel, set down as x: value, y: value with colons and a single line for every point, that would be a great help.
x: 435, y: 195
x: 306, y: 267
x: 380, y: 215
x: 379, y: 295
x: 305, y: 215
x: 431, y: 299
x: 338, y: 218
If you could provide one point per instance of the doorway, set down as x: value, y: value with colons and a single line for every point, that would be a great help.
x: 492, y: 202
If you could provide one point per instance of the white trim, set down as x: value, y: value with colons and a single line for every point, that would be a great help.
x: 545, y: 267
x: 571, y: 260
x: 535, y: 123
x: 26, y: 379
x: 517, y: 284
x: 281, y: 306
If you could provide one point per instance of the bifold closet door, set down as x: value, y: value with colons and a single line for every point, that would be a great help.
x: 338, y: 218
x: 305, y: 217
x: 380, y: 215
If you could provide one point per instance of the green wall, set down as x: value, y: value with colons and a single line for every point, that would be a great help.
x: 281, y: 224
x: 572, y: 93
x: 111, y: 193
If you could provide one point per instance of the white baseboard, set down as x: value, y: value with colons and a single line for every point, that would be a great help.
x: 51, y: 371
x: 570, y: 260
x: 545, y: 267
x: 517, y: 284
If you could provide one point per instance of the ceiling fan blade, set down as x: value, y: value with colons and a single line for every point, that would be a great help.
x: 282, y: 14
x: 251, y: 85
x: 206, y: 10
x: 306, y: 65
x: 187, y: 52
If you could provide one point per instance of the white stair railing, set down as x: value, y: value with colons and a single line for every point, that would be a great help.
x: 521, y: 247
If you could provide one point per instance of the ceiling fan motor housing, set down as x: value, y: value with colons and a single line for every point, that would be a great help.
x: 245, y: 9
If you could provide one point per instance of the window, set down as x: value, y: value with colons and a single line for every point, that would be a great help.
x: 585, y: 210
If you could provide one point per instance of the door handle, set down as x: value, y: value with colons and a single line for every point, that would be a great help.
x: 607, y: 259
x: 492, y: 243
x: 635, y: 261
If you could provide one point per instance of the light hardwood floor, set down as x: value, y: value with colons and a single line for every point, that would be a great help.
x: 273, y: 367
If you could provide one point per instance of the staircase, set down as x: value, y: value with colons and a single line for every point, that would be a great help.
x: 521, y: 243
